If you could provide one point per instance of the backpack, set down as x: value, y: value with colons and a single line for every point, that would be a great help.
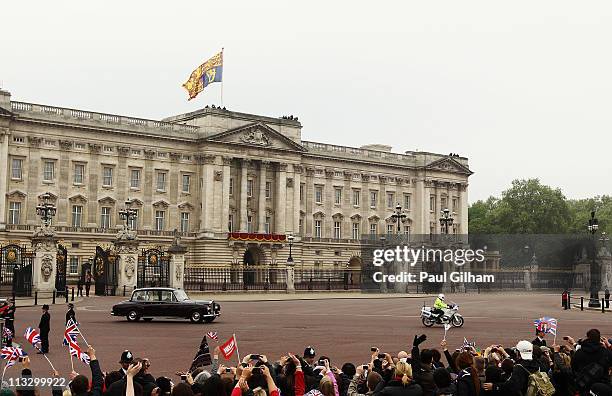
x: 538, y: 384
x: 588, y: 375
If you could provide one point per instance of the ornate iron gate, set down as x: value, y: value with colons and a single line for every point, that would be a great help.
x: 60, y: 269
x: 105, y: 272
x: 16, y: 270
x: 153, y: 269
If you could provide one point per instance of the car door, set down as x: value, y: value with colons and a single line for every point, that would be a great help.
x: 167, y: 304
x: 149, y: 306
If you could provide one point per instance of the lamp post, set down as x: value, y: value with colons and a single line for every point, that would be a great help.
x: 46, y: 210
x: 446, y: 220
x: 128, y: 214
x: 290, y: 239
x: 398, y: 216
x: 592, y: 228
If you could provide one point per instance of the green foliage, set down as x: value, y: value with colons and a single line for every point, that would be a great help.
x: 529, y: 207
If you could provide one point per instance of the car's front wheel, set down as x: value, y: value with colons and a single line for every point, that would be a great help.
x: 133, y: 316
x: 195, y: 317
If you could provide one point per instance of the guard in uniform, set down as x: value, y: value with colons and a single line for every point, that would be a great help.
x: 44, y: 327
x: 70, y: 314
x: 9, y: 317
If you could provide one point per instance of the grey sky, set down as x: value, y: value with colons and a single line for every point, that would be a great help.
x: 523, y: 88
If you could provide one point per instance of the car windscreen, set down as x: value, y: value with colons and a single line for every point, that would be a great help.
x: 181, y: 295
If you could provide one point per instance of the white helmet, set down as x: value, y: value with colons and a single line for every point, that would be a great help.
x: 441, y: 296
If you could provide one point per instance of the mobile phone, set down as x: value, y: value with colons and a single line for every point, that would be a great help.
x: 256, y: 370
x: 381, y: 356
x: 228, y: 369
x: 565, y: 338
x: 373, y: 349
x: 243, y: 365
x: 255, y: 356
x: 365, y: 367
x: 183, y: 378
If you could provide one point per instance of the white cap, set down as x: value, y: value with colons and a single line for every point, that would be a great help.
x: 441, y: 296
x: 525, y: 348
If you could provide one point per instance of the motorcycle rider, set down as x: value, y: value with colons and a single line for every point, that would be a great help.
x: 439, y: 306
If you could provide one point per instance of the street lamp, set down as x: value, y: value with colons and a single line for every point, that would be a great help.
x: 399, y: 216
x: 290, y: 239
x: 446, y: 220
x: 128, y: 214
x: 592, y: 228
x: 46, y: 210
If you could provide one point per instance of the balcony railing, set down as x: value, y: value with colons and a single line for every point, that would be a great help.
x: 97, y: 230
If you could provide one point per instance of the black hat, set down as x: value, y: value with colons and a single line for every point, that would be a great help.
x: 126, y: 357
x: 165, y: 384
x: 70, y: 305
x: 309, y: 352
x: 45, y: 306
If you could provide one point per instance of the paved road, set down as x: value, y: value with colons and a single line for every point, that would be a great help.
x: 343, y: 329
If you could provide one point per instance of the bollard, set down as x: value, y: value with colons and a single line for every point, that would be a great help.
x: 72, y: 298
x: 123, y: 290
x: 36, y: 298
x: 54, y: 291
x: 603, y: 307
x: 582, y: 303
x: 569, y: 300
x: 66, y: 293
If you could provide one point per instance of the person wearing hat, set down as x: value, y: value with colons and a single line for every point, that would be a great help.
x: 308, y: 361
x: 44, y: 327
x: 523, y: 368
x: 126, y: 360
x: 9, y: 316
x: 70, y: 314
x: 539, y: 340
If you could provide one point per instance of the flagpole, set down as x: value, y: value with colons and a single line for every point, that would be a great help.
x: 237, y: 350
x: 222, y: 76
x: 45, y: 356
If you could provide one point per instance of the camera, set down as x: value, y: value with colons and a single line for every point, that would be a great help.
x: 228, y: 369
x: 183, y: 378
x: 373, y: 349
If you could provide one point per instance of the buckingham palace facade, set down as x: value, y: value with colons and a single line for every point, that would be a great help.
x: 232, y: 184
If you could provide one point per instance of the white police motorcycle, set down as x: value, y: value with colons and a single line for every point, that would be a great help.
x: 449, y: 316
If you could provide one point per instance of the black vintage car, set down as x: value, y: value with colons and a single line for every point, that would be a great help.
x: 147, y: 303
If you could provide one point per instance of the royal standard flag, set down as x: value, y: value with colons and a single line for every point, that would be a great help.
x: 208, y: 72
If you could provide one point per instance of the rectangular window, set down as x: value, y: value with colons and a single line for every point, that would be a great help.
x: 432, y: 203
x: 391, y: 200
x: 373, y: 228
x: 133, y: 223
x: 407, y: 201
x: 373, y: 198
x: 79, y: 173
x: 301, y: 225
x: 268, y: 190
x: 356, y: 197
x: 185, y: 222
x: 186, y: 183
x: 337, y: 230
x: 230, y: 223
x: 407, y: 230
x: 160, y: 217
x: 317, y: 228
x: 249, y: 223
x: 455, y: 205
x: 74, y: 265
x: 107, y: 179
x: 301, y: 193
x: 17, y: 169
x: 390, y: 228
x: 443, y: 203
x: 355, y: 231
x: 77, y: 215
x: 105, y: 217
x: 14, y: 212
x: 267, y: 225
x: 231, y: 187
x: 161, y: 181
x: 135, y: 178
x: 249, y: 188
x: 319, y: 194
x: 48, y: 171
x: 338, y: 196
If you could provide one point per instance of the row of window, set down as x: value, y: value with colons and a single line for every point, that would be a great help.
x: 250, y: 188
x: 356, y: 197
x: 108, y: 174
x: 106, y: 216
x: 355, y: 229
x: 443, y: 204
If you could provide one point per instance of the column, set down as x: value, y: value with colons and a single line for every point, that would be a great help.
x: 127, y: 252
x: 45, y: 261
x: 297, y: 170
x: 225, y: 199
x: 261, y: 202
x: 421, y: 209
x: 439, y: 207
x: 4, y: 174
x: 463, y: 208
x: 177, y: 265
x: 243, y: 194
x: 281, y: 198
x: 208, y: 180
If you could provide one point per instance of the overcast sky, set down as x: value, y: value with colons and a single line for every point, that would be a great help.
x: 522, y: 88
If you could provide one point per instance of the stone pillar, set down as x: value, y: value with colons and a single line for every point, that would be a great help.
x: 208, y: 185
x: 463, y: 208
x: 243, y: 195
x: 127, y: 254
x: 527, y: 280
x: 261, y: 202
x: 281, y: 198
x: 4, y: 174
x: 225, y: 199
x: 421, y: 202
x: 177, y: 265
x: 297, y: 170
x: 290, y: 278
x: 44, y: 245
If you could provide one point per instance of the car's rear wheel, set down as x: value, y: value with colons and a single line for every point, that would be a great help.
x: 147, y: 319
x: 133, y: 316
x: 209, y: 320
x: 195, y: 317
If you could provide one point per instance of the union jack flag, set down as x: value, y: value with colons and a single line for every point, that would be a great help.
x: 32, y: 335
x: 213, y: 335
x: 546, y: 324
x: 75, y: 350
x: 467, y: 344
x: 71, y: 333
x: 11, y: 355
x: 7, y: 333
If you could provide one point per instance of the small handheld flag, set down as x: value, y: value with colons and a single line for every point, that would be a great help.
x: 229, y: 347
x: 11, y: 355
x: 70, y: 340
x: 202, y: 357
x: 546, y: 325
x: 213, y: 335
x: 32, y: 335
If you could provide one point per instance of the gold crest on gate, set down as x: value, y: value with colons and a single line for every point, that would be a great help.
x: 11, y: 256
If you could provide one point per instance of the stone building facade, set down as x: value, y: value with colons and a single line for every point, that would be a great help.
x: 209, y: 173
